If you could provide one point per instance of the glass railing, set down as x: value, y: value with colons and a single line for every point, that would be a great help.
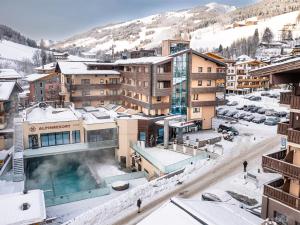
x: 173, y: 167
x: 125, y: 177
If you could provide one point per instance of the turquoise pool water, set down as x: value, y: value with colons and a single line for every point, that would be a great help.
x: 63, y: 179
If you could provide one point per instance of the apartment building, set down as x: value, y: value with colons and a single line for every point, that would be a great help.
x: 9, y: 91
x: 281, y: 198
x: 238, y: 79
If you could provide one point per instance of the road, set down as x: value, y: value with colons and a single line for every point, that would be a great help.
x: 199, y: 183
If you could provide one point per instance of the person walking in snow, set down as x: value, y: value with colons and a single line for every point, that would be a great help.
x: 139, y: 203
x: 245, y: 164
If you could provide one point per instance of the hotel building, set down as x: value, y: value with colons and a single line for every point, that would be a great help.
x: 281, y: 198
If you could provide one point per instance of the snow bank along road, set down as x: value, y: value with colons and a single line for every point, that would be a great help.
x: 198, y: 183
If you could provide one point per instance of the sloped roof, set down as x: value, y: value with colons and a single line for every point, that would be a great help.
x: 9, y: 74
x: 144, y: 60
x: 6, y: 89
x: 35, y: 76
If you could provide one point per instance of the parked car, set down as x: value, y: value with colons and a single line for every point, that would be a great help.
x: 242, y: 115
x: 261, y: 111
x: 274, y: 96
x: 231, y: 113
x: 249, y: 118
x: 249, y: 107
x: 259, y: 119
x: 270, y: 112
x: 265, y: 94
x: 228, y: 129
x: 223, y: 112
x: 241, y: 107
x: 255, y: 98
x: 281, y: 114
x: 254, y: 109
x: 272, y: 121
x: 234, y: 103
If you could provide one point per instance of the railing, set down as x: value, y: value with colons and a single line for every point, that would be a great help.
x: 252, y: 79
x: 168, y: 168
x: 283, y: 127
x: 275, y: 162
x: 96, y: 86
x: 293, y: 136
x: 90, y: 98
x: 274, y: 191
x: 163, y: 76
x: 162, y: 91
x: 285, y: 98
x: 210, y: 76
x: 203, y: 103
x: 196, y: 90
x: 125, y: 177
x: 295, y: 102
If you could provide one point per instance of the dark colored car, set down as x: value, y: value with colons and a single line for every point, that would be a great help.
x: 272, y: 121
x: 259, y: 119
x: 241, y: 107
x: 265, y: 94
x: 255, y: 98
x: 228, y: 129
x: 274, y: 96
x: 261, y: 111
x: 280, y: 114
x: 254, y: 109
x: 249, y: 107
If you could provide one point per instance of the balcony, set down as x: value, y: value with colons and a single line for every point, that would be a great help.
x: 162, y: 92
x: 96, y: 86
x: 274, y: 191
x: 197, y: 90
x: 283, y: 127
x: 203, y: 103
x: 293, y: 136
x: 164, y: 76
x: 295, y: 102
x: 96, y: 98
x: 210, y: 76
x: 276, y: 162
x: 253, y: 80
x: 285, y: 98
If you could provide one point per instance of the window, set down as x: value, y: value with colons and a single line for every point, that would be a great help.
x: 76, y: 136
x: 41, y: 84
x: 101, y: 92
x: 85, y: 92
x: 195, y: 97
x: 85, y: 81
x: 158, y: 98
x: 145, y: 83
x: 86, y: 103
x: 41, y: 92
x: 101, y: 102
x: 209, y: 69
x: 280, y: 218
x: 52, y: 139
x: 142, y: 136
x: 209, y: 83
x: 101, y: 81
x: 196, y: 110
x: 199, y: 82
x: 146, y: 70
x: 200, y: 69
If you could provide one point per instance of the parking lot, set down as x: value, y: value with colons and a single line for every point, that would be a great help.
x: 258, y: 107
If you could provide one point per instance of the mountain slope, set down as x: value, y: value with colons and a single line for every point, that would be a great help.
x: 200, y: 24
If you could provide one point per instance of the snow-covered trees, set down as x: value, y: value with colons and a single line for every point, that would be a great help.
x: 268, y: 35
x: 14, y: 36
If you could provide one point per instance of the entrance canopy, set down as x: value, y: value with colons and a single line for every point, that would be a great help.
x: 70, y: 148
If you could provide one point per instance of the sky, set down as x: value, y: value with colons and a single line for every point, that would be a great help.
x: 60, y: 19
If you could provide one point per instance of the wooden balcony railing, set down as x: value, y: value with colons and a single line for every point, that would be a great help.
x: 210, y: 76
x: 96, y: 86
x: 275, y: 162
x: 293, y: 136
x: 274, y: 191
x: 162, y: 91
x: 283, y: 127
x: 295, y: 102
x: 285, y: 98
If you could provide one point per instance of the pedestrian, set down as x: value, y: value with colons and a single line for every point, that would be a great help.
x: 139, y: 203
x: 245, y: 164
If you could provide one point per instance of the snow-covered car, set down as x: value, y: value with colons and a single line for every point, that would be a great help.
x: 261, y: 111
x: 226, y: 128
x: 254, y: 109
x: 270, y: 112
x: 259, y: 119
x: 265, y: 93
x: 216, y: 196
x: 223, y: 112
x: 234, y: 103
x: 231, y: 113
x: 241, y: 107
x: 242, y: 115
x: 272, y: 121
x: 281, y: 114
x: 249, y: 118
x: 255, y: 98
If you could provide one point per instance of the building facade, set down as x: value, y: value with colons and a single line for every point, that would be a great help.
x: 281, y: 198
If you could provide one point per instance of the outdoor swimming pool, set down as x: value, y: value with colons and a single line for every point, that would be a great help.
x: 63, y: 179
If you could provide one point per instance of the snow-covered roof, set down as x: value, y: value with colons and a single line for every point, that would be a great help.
x: 48, y: 66
x: 244, y: 58
x: 76, y: 68
x: 195, y: 212
x: 9, y: 74
x: 6, y: 89
x: 50, y: 115
x: 143, y: 60
x: 11, y: 208
x: 35, y: 76
x: 4, y: 154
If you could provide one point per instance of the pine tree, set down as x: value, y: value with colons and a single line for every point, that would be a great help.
x: 255, y: 39
x: 290, y: 35
x: 268, y: 36
x: 220, y: 50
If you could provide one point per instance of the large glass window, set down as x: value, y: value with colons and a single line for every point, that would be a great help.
x: 142, y: 136
x: 52, y: 139
x: 179, y: 92
x: 102, y: 135
x: 76, y: 136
